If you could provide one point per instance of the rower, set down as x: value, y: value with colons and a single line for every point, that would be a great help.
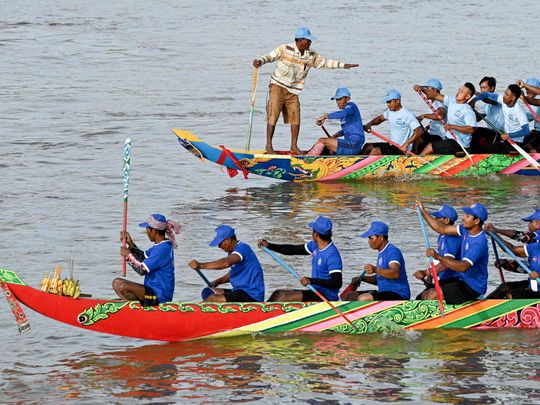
x: 246, y: 274
x: 531, y: 94
x: 516, y: 124
x: 389, y: 274
x: 404, y: 127
x: 352, y: 132
x: 434, y: 132
x: 156, y: 264
x: 473, y: 261
x: 326, y: 265
x: 447, y: 245
x: 461, y: 120
x: 525, y: 288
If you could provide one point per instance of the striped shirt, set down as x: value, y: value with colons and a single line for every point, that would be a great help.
x: 293, y: 67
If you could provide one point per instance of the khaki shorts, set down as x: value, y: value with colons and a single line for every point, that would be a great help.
x: 281, y: 101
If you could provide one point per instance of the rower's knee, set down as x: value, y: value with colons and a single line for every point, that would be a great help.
x: 365, y: 297
x: 278, y: 296
x: 351, y: 296
x: 375, y: 151
x: 118, y: 284
x: 430, y: 294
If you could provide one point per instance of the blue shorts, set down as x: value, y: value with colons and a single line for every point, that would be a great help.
x: 350, y: 146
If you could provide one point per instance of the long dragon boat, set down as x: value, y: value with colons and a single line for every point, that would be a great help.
x: 351, y: 168
x: 178, y: 321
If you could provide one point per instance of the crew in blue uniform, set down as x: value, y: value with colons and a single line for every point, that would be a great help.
x: 326, y: 265
x: 447, y: 245
x: 473, y: 262
x: 156, y: 264
x: 352, y: 129
x: 246, y: 274
x: 389, y: 275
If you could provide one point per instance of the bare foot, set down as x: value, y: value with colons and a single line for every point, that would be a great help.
x: 296, y: 151
x: 270, y: 151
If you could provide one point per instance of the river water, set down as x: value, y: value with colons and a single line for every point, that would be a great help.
x: 78, y: 78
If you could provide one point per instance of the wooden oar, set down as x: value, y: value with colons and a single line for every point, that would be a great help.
x: 325, y: 131
x: 22, y: 321
x: 295, y: 274
x: 200, y: 273
x: 254, y: 82
x: 431, y: 264
x: 501, y: 275
x: 424, y: 97
x: 505, y: 248
x: 408, y: 152
x: 536, y: 117
x: 352, y: 286
x: 521, y: 151
x: 127, y: 162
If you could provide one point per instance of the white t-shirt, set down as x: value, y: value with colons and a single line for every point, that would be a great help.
x: 462, y: 115
x: 436, y: 126
x: 514, y: 117
x: 402, y: 124
x: 494, y: 114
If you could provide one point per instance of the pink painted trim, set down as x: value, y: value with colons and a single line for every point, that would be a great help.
x: 353, y: 168
x: 338, y: 320
x: 522, y: 164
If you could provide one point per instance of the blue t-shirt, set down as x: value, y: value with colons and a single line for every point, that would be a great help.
x: 323, y: 263
x: 389, y: 254
x: 402, y: 124
x: 449, y: 246
x: 532, y: 250
x: 474, y: 249
x: 462, y: 115
x: 351, y: 123
x: 159, y: 263
x: 247, y: 275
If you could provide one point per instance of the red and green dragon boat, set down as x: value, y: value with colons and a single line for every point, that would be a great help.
x: 283, y: 166
x: 178, y: 321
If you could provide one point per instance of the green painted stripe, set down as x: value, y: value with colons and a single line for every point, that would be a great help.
x: 437, y: 162
x: 10, y: 277
x: 491, y: 313
x: 491, y: 164
x: 372, y: 167
x: 321, y: 316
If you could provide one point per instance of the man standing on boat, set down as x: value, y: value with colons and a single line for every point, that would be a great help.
x: 246, y: 274
x: 404, y: 127
x: 460, y: 120
x: 472, y: 265
x: 156, y: 264
x: 287, y: 81
x: 326, y: 265
x: 389, y: 274
x: 351, y: 127
x: 447, y: 245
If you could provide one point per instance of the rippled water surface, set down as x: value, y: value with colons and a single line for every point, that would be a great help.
x: 79, y: 78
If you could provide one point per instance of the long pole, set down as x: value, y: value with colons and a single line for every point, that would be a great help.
x: 424, y: 97
x: 505, y: 248
x: 295, y: 274
x: 501, y: 275
x: 431, y: 264
x: 326, y: 132
x: 254, y: 81
x: 408, y: 152
x: 127, y: 162
x: 521, y: 151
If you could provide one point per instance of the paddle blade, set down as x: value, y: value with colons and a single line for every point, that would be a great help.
x: 350, y: 288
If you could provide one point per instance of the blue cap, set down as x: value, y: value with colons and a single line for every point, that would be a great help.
x: 446, y: 211
x: 322, y: 225
x: 304, y: 32
x: 478, y: 210
x: 533, y: 81
x: 222, y: 232
x: 392, y: 94
x: 534, y: 216
x: 376, y: 228
x: 151, y: 221
x: 434, y: 83
x: 341, y: 92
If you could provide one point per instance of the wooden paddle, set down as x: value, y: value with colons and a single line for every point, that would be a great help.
x: 127, y: 162
x: 254, y: 81
x: 424, y: 97
x: 505, y: 248
x: 326, y: 132
x: 295, y: 274
x: 536, y: 117
x: 431, y: 264
x: 352, y: 286
x: 408, y: 152
x: 22, y: 321
x: 521, y: 151
x: 501, y: 275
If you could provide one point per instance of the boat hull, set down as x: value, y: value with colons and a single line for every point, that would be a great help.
x: 178, y: 321
x: 353, y: 168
